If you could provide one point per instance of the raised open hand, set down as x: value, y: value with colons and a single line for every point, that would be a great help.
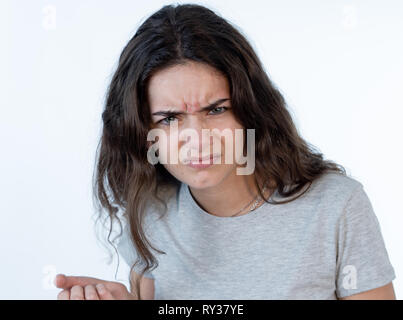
x: 88, y: 288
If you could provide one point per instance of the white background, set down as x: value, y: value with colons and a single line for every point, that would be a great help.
x: 338, y: 63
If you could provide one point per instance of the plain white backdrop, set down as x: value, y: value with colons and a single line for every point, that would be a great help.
x: 338, y: 63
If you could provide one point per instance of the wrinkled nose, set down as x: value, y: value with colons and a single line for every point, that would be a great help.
x: 196, y: 138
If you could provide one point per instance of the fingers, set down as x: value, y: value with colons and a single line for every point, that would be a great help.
x: 104, y: 293
x: 66, y: 282
x: 84, y: 288
x: 59, y: 279
x: 77, y: 293
x: 90, y: 292
x: 64, y: 295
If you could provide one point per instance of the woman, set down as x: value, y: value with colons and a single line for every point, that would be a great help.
x: 295, y: 227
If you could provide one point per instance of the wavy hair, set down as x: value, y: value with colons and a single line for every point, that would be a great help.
x: 176, y: 34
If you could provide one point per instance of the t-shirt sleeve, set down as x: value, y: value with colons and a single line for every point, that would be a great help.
x: 127, y: 250
x: 362, y: 260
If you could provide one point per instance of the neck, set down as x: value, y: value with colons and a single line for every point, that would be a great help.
x: 228, y: 197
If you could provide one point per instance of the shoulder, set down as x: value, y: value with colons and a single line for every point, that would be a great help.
x: 334, y: 186
x: 328, y: 195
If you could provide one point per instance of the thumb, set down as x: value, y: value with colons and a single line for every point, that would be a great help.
x: 66, y: 282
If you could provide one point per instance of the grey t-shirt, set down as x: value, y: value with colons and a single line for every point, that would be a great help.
x: 323, y: 245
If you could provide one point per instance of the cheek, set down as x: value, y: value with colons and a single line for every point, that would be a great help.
x: 231, y: 136
x: 170, y: 152
x: 228, y: 125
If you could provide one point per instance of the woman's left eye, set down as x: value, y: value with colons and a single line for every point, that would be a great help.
x: 220, y: 109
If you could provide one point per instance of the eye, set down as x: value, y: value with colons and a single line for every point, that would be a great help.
x: 220, y: 110
x: 166, y: 120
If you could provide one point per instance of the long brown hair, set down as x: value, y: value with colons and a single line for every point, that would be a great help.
x: 125, y: 181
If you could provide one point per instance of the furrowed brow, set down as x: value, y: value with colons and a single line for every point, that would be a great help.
x: 170, y: 112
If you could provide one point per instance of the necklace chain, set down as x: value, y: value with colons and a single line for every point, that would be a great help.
x: 257, y: 200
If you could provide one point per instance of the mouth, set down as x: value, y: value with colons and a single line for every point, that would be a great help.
x: 201, y: 163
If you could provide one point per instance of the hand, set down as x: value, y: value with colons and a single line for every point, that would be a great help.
x: 87, y: 288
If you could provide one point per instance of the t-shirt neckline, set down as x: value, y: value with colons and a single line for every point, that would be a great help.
x: 187, y: 196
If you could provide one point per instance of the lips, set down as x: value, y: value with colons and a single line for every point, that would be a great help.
x: 197, y: 163
x: 200, y: 160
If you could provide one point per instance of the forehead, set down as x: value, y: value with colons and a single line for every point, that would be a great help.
x: 194, y: 85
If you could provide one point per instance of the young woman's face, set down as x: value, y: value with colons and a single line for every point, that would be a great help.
x: 188, y: 88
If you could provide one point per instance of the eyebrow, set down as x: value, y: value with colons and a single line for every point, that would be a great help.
x: 167, y: 113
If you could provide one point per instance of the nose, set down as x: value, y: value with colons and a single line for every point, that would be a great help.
x: 193, y: 136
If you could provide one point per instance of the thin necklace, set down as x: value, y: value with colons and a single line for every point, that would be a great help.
x: 257, y: 200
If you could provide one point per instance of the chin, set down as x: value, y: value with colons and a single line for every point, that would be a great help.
x: 200, y: 178
x: 201, y: 183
